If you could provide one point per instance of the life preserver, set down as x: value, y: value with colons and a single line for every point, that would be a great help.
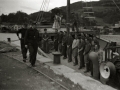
x: 107, y: 70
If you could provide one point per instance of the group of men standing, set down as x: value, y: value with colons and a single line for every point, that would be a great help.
x: 81, y: 45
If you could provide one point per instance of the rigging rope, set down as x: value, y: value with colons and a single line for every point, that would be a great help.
x: 116, y: 4
x: 45, y: 10
x: 40, y: 10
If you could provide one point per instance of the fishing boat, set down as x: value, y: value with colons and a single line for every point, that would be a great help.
x: 109, y: 68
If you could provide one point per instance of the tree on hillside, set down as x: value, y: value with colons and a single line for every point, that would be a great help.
x: 18, y: 17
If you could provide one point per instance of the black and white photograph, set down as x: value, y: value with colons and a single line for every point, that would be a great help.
x: 59, y: 44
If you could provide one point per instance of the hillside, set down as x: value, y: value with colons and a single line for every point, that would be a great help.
x: 105, y: 11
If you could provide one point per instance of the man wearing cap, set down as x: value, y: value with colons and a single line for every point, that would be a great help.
x: 56, y: 40
x: 31, y: 41
x: 23, y: 48
x: 45, y: 37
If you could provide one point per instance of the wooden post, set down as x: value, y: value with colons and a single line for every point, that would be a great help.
x: 68, y: 16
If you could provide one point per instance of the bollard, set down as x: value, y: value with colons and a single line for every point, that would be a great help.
x: 93, y: 56
x: 56, y: 57
x: 9, y: 40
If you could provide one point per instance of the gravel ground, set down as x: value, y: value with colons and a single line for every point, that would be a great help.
x: 17, y: 76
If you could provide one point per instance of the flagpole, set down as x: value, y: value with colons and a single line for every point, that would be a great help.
x: 68, y: 16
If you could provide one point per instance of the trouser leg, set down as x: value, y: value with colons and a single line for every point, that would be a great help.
x: 44, y: 46
x: 34, y: 54
x: 47, y: 47
x: 65, y: 51
x: 76, y: 26
x: 56, y: 46
x: 91, y: 67
x: 60, y: 47
x: 82, y: 64
x: 73, y: 27
x: 76, y: 60
x: 69, y: 54
x: 86, y: 63
x: 31, y: 50
x: 23, y: 49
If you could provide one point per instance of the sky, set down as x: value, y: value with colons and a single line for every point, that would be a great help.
x: 31, y: 6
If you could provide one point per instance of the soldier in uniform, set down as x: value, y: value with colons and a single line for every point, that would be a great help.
x: 96, y: 41
x: 45, y: 41
x: 81, y: 51
x: 60, y: 41
x: 23, y: 48
x: 56, y: 40
x: 31, y: 41
x: 64, y: 46
x: 86, y: 53
x: 69, y: 47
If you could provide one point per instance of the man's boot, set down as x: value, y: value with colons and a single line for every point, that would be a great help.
x: 76, y: 61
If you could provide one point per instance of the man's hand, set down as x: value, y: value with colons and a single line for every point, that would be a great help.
x: 67, y: 45
x: 19, y: 38
x: 83, y: 53
x: 26, y: 46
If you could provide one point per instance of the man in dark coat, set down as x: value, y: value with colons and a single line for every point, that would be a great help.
x: 69, y: 47
x: 60, y: 40
x: 56, y: 40
x: 81, y: 51
x: 23, y: 48
x: 45, y: 41
x: 31, y: 41
x: 64, y: 46
x: 86, y: 54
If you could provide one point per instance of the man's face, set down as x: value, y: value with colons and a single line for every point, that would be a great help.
x: 76, y: 36
x: 96, y: 47
x: 94, y: 38
x: 34, y: 26
x: 45, y: 31
x: 25, y: 26
x: 82, y: 34
x: 56, y: 31
x: 86, y: 40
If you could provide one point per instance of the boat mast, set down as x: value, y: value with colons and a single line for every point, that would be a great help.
x: 68, y: 16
